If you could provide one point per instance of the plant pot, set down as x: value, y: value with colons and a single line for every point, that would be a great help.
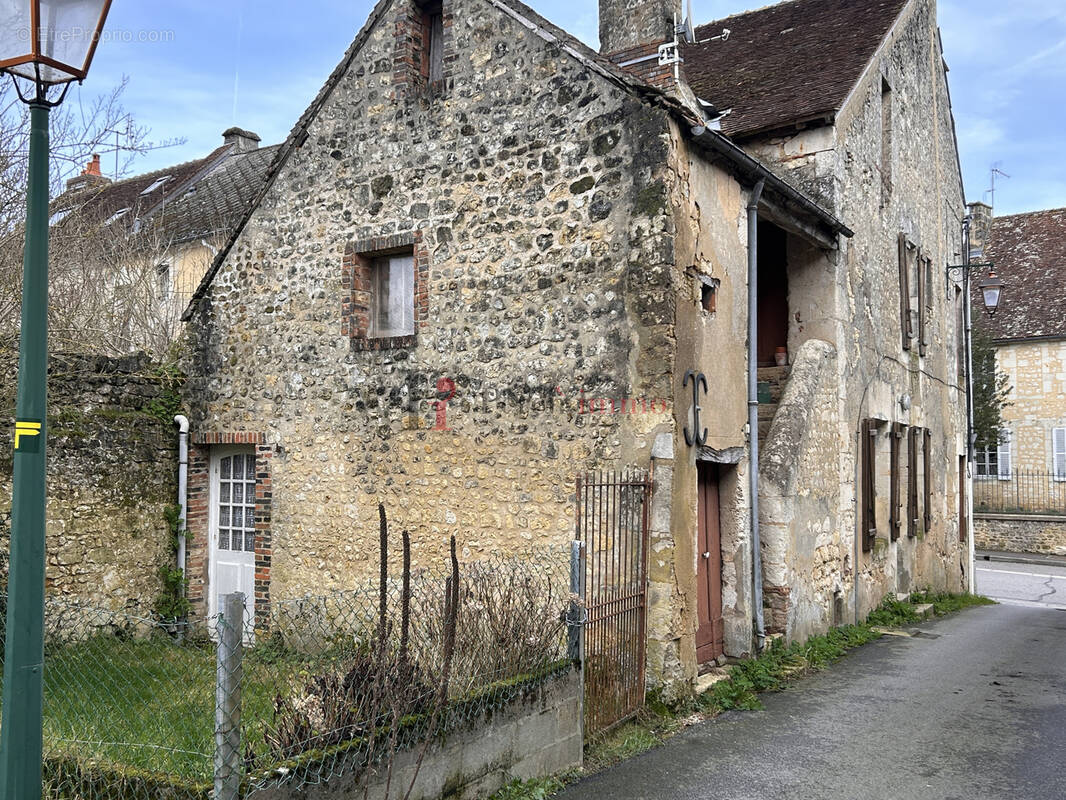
x: 781, y: 356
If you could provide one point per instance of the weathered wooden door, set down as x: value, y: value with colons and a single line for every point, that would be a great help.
x: 710, y: 633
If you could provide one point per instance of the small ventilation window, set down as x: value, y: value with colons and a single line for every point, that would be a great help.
x: 708, y: 293
x: 117, y: 216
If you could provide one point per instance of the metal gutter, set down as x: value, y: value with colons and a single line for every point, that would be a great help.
x: 755, y: 171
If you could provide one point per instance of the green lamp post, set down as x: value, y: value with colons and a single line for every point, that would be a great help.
x: 44, y: 45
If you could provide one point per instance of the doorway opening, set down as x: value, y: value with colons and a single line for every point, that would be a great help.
x: 710, y: 631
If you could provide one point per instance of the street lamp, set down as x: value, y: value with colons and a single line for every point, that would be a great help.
x: 44, y: 44
x: 991, y: 287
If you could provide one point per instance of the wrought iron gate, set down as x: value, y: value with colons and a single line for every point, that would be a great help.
x: 612, y: 522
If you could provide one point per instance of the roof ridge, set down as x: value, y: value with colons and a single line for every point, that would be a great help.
x: 162, y: 171
x: 1028, y: 213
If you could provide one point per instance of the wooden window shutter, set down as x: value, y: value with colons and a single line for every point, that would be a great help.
x: 927, y: 478
x: 919, y: 264
x: 912, y: 482
x: 869, y: 475
x: 904, y: 294
x: 895, y: 440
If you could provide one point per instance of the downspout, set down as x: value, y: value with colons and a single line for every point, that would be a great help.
x: 183, y: 482
x: 970, y: 432
x: 753, y: 405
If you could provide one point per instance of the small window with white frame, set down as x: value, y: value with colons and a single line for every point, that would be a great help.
x: 994, y: 461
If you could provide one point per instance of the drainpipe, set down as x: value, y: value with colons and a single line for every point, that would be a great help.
x: 753, y: 405
x: 183, y: 481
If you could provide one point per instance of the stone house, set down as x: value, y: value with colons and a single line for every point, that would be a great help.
x: 1026, y: 472
x: 487, y: 257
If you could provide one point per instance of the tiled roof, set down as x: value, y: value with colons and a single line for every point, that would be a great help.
x: 1029, y: 254
x: 218, y: 202
x: 787, y: 63
x: 101, y: 202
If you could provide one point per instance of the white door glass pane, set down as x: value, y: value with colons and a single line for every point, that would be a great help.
x: 249, y: 468
x: 225, y: 465
x: 223, y: 539
x: 249, y: 541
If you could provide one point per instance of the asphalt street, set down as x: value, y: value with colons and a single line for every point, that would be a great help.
x: 969, y: 707
x: 1041, y: 584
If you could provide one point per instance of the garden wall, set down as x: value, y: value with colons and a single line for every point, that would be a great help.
x: 537, y: 734
x: 112, y: 469
x: 1019, y: 533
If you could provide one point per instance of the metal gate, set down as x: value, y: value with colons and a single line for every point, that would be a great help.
x: 612, y: 522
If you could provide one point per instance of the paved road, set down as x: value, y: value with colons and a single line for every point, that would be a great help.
x: 1021, y: 583
x: 973, y: 707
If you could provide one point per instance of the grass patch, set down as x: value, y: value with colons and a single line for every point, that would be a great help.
x: 944, y: 603
x: 772, y: 670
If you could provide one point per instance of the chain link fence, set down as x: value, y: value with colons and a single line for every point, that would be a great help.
x: 338, y: 684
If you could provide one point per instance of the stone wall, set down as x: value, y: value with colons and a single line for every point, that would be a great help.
x: 536, y: 735
x: 1020, y: 534
x: 537, y: 188
x: 1036, y: 373
x: 112, y: 467
x: 799, y: 490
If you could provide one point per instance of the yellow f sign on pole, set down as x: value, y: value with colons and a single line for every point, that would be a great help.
x: 27, y: 429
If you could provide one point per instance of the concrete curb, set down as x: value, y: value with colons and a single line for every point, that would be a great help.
x: 1020, y: 558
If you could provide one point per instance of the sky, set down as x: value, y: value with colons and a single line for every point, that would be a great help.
x: 196, y: 68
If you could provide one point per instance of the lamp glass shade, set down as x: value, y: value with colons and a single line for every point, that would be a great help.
x: 991, y: 294
x: 991, y: 288
x: 50, y: 41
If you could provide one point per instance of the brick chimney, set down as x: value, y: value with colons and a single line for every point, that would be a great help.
x: 631, y: 32
x: 91, y: 176
x: 245, y: 141
x: 980, y: 226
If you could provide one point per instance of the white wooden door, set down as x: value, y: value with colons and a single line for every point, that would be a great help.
x: 232, y: 524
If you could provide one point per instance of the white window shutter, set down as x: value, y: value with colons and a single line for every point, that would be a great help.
x: 1003, y: 455
x: 1058, y: 439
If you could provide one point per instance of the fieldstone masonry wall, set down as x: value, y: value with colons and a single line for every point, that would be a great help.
x: 534, y: 190
x: 112, y: 467
x: 1020, y: 534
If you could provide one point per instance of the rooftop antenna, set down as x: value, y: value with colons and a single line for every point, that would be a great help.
x: 119, y: 148
x: 993, y: 172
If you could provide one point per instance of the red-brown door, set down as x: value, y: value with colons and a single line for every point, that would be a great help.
x: 710, y: 633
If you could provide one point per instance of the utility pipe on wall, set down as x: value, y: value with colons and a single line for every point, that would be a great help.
x: 183, y: 482
x: 753, y: 405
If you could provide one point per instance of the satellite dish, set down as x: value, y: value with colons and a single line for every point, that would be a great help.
x: 690, y: 30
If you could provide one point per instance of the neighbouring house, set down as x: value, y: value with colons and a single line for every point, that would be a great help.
x: 1020, y: 484
x: 125, y: 257
x: 127, y: 254
x: 489, y: 260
